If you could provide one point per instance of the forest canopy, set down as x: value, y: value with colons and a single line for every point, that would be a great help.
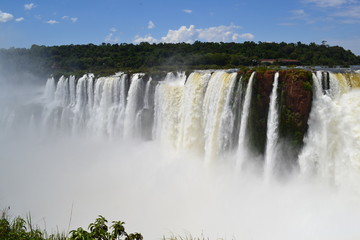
x: 106, y: 59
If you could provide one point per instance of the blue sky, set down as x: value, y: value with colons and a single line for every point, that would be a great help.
x: 50, y: 22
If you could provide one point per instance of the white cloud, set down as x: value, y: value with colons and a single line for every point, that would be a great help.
x: 219, y: 34
x: 341, y: 11
x: 299, y: 13
x: 191, y: 34
x: 110, y: 38
x: 113, y: 29
x: 147, y: 38
x: 351, y: 12
x: 330, y: 3
x: 247, y: 36
x: 211, y: 34
x: 151, y: 25
x: 20, y: 19
x: 29, y: 6
x: 52, y: 22
x: 5, y: 17
x: 72, y: 19
x: 187, y: 11
x: 183, y: 34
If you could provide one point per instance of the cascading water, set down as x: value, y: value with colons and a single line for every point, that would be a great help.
x: 201, y: 118
x: 191, y: 129
x: 242, y: 153
x: 331, y: 146
x: 168, y: 102
x: 196, y: 113
x: 213, y: 109
x: 272, y: 134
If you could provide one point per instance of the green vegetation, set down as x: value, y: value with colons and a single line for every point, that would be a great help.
x: 100, y: 231
x: 106, y: 59
x: 307, y: 86
x: 21, y: 229
x: 295, y: 98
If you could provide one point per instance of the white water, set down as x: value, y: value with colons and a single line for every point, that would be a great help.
x: 332, y: 145
x: 242, y: 153
x: 213, y: 108
x: 272, y: 135
x: 191, y: 129
x: 161, y: 187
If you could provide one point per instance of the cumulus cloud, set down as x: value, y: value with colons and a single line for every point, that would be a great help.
x: 151, y: 25
x: 330, y: 3
x: 5, y: 17
x: 191, y: 34
x: 187, y: 11
x: 72, y: 19
x: 211, y: 34
x: 111, y: 38
x: 113, y: 29
x: 147, y: 38
x: 247, y: 36
x: 52, y: 22
x: 20, y: 19
x: 29, y: 6
x: 183, y: 34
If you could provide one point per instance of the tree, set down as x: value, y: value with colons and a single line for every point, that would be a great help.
x: 99, y: 230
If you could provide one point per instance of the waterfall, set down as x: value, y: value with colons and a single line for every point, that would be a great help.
x: 242, y: 148
x: 206, y: 113
x: 272, y: 134
x: 213, y: 107
x: 315, y: 142
x: 331, y: 144
x: 132, y: 106
x: 50, y: 89
x: 147, y: 94
x: 72, y: 90
x: 168, y: 105
x: 227, y: 117
x: 191, y: 129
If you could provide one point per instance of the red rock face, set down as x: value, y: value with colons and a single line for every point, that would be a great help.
x: 295, y: 98
x: 259, y: 109
x: 295, y: 107
x: 263, y: 86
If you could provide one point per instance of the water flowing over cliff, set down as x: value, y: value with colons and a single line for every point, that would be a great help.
x: 244, y: 154
x: 284, y: 121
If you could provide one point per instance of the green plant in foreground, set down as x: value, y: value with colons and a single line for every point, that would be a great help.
x: 21, y: 229
x: 100, y: 231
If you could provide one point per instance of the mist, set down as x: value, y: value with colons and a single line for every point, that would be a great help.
x: 157, y: 193
x: 65, y: 181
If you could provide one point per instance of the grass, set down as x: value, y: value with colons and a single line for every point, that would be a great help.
x: 18, y: 228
